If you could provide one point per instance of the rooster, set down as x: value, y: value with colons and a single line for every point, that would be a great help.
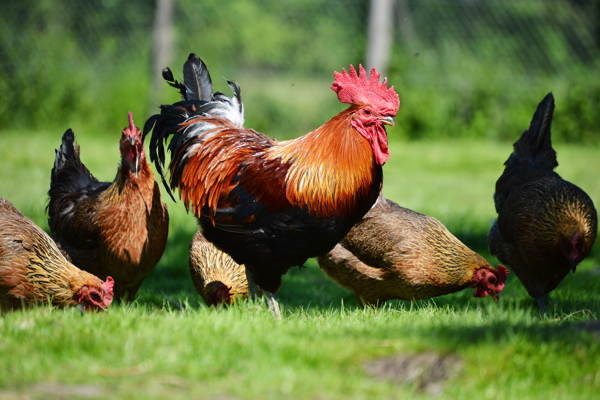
x: 32, y: 269
x: 269, y: 204
x: 114, y: 228
x: 545, y: 225
x: 397, y: 253
x: 216, y: 277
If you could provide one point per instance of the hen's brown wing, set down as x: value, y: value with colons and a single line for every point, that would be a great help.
x: 31, y: 266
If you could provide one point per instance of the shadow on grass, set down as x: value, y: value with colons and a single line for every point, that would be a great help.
x: 170, y: 279
x: 309, y: 287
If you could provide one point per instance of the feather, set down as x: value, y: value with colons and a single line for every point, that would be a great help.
x: 535, y: 144
x: 270, y: 204
x: 196, y: 79
x: 546, y: 225
x: 116, y: 228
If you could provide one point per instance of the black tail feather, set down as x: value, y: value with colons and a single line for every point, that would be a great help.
x: 66, y: 151
x: 197, y: 99
x: 535, y: 144
x: 162, y: 125
x: 69, y: 173
x: 67, y: 155
x: 196, y: 79
x: 168, y: 76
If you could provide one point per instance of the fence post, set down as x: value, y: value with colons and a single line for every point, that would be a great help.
x: 162, y: 38
x: 380, y: 34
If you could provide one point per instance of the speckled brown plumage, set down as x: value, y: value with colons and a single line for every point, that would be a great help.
x: 32, y: 269
x: 397, y: 253
x: 545, y: 225
x: 216, y: 277
x: 118, y: 228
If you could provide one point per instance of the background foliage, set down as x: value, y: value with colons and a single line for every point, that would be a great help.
x: 463, y: 68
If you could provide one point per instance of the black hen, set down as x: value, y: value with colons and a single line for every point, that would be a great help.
x: 545, y: 225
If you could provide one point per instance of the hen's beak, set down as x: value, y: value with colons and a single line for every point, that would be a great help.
x: 387, y: 120
x: 133, y: 144
x: 495, y: 297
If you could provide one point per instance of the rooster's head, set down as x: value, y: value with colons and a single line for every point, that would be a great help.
x: 132, y: 146
x: 373, y: 106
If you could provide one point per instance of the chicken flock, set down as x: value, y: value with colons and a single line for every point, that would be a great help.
x: 264, y: 206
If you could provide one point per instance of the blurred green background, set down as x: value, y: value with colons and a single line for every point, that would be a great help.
x: 469, y: 74
x: 462, y: 68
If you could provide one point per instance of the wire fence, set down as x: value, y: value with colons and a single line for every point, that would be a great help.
x: 65, y: 59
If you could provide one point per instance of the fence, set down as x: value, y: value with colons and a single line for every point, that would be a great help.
x: 460, y: 66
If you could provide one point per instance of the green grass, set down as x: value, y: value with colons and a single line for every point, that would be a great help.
x: 168, y: 344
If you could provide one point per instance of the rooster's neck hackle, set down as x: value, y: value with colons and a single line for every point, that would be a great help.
x: 329, y: 168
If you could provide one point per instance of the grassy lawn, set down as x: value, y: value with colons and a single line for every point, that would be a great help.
x: 168, y: 344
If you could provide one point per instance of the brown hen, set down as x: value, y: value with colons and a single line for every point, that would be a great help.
x: 32, y: 269
x: 114, y: 228
x: 397, y: 253
x: 545, y: 225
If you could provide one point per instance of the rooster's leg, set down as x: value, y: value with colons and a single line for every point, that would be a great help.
x: 253, y: 292
x: 543, y: 303
x: 252, y: 286
x: 273, y: 304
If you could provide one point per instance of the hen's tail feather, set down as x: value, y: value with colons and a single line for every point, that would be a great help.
x: 73, y: 173
x: 535, y: 144
x: 66, y: 152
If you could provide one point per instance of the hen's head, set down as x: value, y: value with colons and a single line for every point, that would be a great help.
x: 132, y: 146
x: 575, y: 248
x: 375, y: 106
x: 218, y: 293
x: 97, y: 298
x: 490, y: 282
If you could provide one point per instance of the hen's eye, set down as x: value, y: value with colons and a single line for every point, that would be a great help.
x: 492, y: 279
x: 367, y: 112
x: 96, y: 297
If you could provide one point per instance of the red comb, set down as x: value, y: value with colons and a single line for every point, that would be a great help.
x: 352, y: 88
x: 502, y: 273
x: 108, y: 285
x: 131, y: 124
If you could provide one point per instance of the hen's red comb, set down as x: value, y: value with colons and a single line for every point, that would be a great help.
x: 502, y: 273
x: 131, y: 126
x: 352, y: 88
x: 107, y: 287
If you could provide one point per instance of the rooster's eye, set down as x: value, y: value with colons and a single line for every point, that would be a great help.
x: 367, y: 112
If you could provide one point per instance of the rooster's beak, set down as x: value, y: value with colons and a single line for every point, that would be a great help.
x: 387, y: 120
